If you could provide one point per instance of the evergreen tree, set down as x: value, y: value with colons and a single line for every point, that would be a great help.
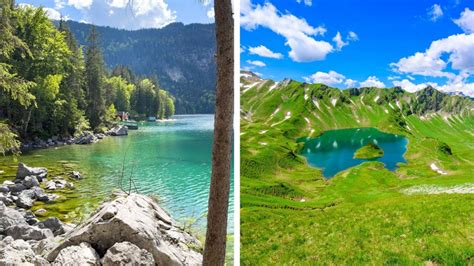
x: 95, y: 81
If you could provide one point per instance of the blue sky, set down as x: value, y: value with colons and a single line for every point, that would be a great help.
x: 353, y: 43
x: 120, y: 14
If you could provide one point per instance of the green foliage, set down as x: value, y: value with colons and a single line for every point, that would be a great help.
x: 369, y: 151
x: 110, y: 115
x: 8, y: 139
x: 362, y: 216
x: 182, y: 56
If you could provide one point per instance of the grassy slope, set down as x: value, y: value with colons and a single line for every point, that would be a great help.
x: 369, y: 151
x: 290, y: 214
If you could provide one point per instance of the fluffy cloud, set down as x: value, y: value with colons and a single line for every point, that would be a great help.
x: 372, y: 81
x: 339, y: 42
x: 352, y: 36
x: 128, y: 14
x: 460, y: 51
x: 52, y: 13
x: 256, y: 63
x: 306, y: 2
x: 210, y: 13
x: 411, y: 87
x: 297, y: 32
x: 350, y: 83
x: 435, y: 12
x: 80, y: 4
x: 331, y: 78
x: 466, y: 21
x: 264, y: 52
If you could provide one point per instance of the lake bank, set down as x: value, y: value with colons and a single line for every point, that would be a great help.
x: 168, y: 160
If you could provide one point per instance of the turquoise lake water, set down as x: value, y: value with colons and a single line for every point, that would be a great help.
x: 171, y: 160
x: 333, y: 151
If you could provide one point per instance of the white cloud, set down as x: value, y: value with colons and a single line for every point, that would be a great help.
x: 372, y: 81
x: 411, y: 87
x: 297, y: 32
x: 350, y: 83
x: 306, y: 2
x: 52, y: 13
x: 80, y: 4
x: 210, y: 13
x: 256, y: 63
x: 264, y: 52
x: 352, y: 36
x: 466, y: 21
x: 59, y: 4
x: 331, y: 78
x: 339, y: 42
x: 465, y: 88
x: 118, y: 3
x: 460, y: 49
x: 435, y: 12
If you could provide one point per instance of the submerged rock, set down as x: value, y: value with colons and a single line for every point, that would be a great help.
x: 141, y: 221
x: 76, y: 175
x: 82, y: 254
x: 126, y: 253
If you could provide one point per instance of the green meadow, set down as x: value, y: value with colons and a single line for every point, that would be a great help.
x: 366, y: 215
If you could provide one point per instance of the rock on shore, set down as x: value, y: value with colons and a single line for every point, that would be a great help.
x: 139, y: 220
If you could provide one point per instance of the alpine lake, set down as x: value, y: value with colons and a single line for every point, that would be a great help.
x: 168, y: 160
x: 333, y: 151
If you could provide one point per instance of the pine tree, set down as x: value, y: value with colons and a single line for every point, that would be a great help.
x: 94, y: 80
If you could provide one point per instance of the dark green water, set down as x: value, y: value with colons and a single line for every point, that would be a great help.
x: 333, y: 151
x: 170, y: 160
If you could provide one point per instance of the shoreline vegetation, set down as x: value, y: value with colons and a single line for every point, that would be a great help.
x: 54, y: 90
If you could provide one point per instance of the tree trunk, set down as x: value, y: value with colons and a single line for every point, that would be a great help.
x: 215, y: 246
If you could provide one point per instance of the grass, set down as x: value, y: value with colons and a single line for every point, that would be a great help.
x: 291, y: 215
x: 368, y: 151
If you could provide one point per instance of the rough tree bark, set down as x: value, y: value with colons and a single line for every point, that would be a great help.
x: 215, y: 246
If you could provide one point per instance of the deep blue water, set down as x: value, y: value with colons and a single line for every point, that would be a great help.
x: 333, y: 151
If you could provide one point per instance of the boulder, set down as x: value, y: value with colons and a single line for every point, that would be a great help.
x: 28, y: 232
x: 18, y: 252
x: 86, y: 138
x: 50, y: 185
x: 24, y: 171
x: 82, y: 254
x: 53, y: 224
x: 30, y: 181
x: 16, y: 188
x: 141, y: 221
x: 30, y: 218
x: 126, y: 253
x: 40, y: 212
x: 9, y: 217
x: 24, y: 201
x: 118, y: 131
x: 4, y: 189
x: 6, y: 200
x: 8, y: 183
x: 75, y: 175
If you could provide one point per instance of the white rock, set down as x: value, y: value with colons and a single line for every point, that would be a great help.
x: 82, y: 254
x: 126, y: 253
x: 139, y: 220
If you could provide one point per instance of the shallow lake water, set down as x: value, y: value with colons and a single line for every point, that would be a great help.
x: 333, y: 151
x: 170, y: 160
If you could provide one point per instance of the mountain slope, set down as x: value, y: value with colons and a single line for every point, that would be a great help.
x: 363, y: 215
x: 181, y: 56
